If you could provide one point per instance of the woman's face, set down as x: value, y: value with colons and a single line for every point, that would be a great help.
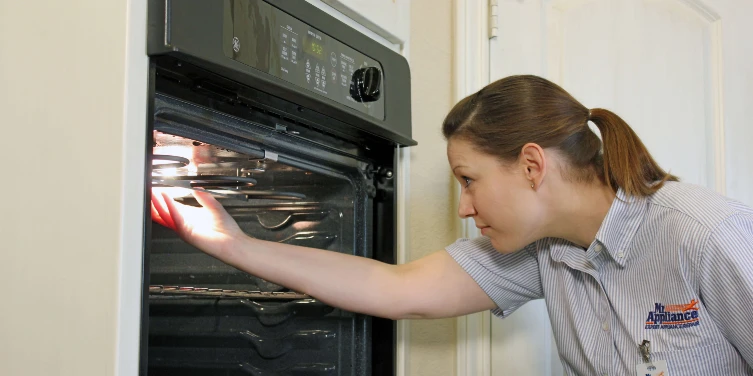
x: 497, y: 195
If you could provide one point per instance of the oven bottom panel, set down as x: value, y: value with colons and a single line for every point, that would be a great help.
x: 189, y: 336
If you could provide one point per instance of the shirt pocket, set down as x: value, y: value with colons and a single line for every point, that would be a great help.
x: 711, y: 360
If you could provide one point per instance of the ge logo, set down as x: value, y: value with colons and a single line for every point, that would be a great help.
x: 236, y: 44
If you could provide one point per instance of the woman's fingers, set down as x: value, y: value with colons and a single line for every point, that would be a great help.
x: 156, y: 217
x: 159, y: 204
x: 207, y: 200
x: 174, y: 212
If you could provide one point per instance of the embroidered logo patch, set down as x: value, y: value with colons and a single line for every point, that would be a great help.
x: 673, y: 316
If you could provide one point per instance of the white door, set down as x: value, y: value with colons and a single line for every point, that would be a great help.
x: 680, y: 72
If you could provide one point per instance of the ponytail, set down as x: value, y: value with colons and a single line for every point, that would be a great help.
x: 508, y: 113
x: 627, y: 163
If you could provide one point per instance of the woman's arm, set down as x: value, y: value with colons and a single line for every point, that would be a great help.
x: 431, y: 287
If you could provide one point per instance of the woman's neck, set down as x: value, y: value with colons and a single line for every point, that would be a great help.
x: 579, y: 210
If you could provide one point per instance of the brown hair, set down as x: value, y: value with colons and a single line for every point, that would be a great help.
x: 505, y: 115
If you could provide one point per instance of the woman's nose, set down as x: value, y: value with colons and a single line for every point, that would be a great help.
x: 465, y: 207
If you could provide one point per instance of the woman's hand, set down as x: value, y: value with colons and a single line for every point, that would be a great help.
x: 209, y: 228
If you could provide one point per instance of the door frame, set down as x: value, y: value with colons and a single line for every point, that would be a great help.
x: 471, y: 73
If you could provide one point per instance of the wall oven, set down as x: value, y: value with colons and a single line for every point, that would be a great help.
x: 293, y: 121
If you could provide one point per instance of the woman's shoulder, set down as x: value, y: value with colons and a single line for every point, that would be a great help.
x: 699, y: 203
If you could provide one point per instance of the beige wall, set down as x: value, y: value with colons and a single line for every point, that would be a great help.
x: 61, y: 113
x: 431, y: 209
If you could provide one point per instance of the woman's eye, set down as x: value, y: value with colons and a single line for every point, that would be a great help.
x: 467, y: 181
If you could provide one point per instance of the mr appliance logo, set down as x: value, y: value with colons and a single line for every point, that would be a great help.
x: 674, y: 316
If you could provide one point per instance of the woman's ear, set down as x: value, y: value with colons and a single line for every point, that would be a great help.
x: 533, y: 161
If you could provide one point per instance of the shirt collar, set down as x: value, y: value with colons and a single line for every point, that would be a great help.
x: 620, y: 225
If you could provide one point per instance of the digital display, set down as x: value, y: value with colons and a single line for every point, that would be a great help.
x: 313, y: 48
x: 295, y: 52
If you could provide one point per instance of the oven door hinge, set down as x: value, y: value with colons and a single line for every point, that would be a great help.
x: 270, y: 156
x: 261, y: 166
x: 376, y: 177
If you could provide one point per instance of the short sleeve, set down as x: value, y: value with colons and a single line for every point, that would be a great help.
x: 727, y: 281
x: 510, y: 280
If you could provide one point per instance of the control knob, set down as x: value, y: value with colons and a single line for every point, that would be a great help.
x: 364, y: 86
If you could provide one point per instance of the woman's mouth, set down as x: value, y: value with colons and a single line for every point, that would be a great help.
x: 484, y: 229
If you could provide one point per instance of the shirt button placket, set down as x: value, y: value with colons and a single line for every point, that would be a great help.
x: 607, y: 338
x: 606, y: 316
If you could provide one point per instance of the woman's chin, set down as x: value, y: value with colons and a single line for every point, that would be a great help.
x: 503, y: 245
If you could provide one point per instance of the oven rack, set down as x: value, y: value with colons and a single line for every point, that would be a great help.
x: 217, y: 185
x: 203, y: 292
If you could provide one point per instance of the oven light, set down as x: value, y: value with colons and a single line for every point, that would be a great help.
x: 165, y: 172
x: 191, y: 169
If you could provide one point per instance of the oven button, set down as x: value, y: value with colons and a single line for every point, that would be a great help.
x: 364, y: 86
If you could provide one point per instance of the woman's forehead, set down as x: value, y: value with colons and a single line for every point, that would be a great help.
x: 463, y: 152
x: 458, y: 150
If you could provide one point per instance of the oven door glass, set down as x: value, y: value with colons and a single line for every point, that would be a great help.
x: 208, y: 318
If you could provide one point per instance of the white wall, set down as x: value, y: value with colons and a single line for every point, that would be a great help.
x: 62, y: 82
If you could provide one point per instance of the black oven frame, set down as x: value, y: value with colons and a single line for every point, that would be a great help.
x: 205, y: 78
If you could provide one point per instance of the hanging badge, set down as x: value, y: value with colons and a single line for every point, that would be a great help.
x: 650, y: 367
x: 655, y: 368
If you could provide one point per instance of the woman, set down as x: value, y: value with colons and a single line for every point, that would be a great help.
x: 621, y: 252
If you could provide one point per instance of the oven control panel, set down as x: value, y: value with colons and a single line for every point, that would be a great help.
x: 268, y: 39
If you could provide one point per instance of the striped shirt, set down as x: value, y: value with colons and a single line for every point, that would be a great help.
x: 674, y: 268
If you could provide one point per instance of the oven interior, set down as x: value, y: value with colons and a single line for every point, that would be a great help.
x: 207, y: 318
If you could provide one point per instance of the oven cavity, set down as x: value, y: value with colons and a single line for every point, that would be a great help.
x: 208, y: 318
